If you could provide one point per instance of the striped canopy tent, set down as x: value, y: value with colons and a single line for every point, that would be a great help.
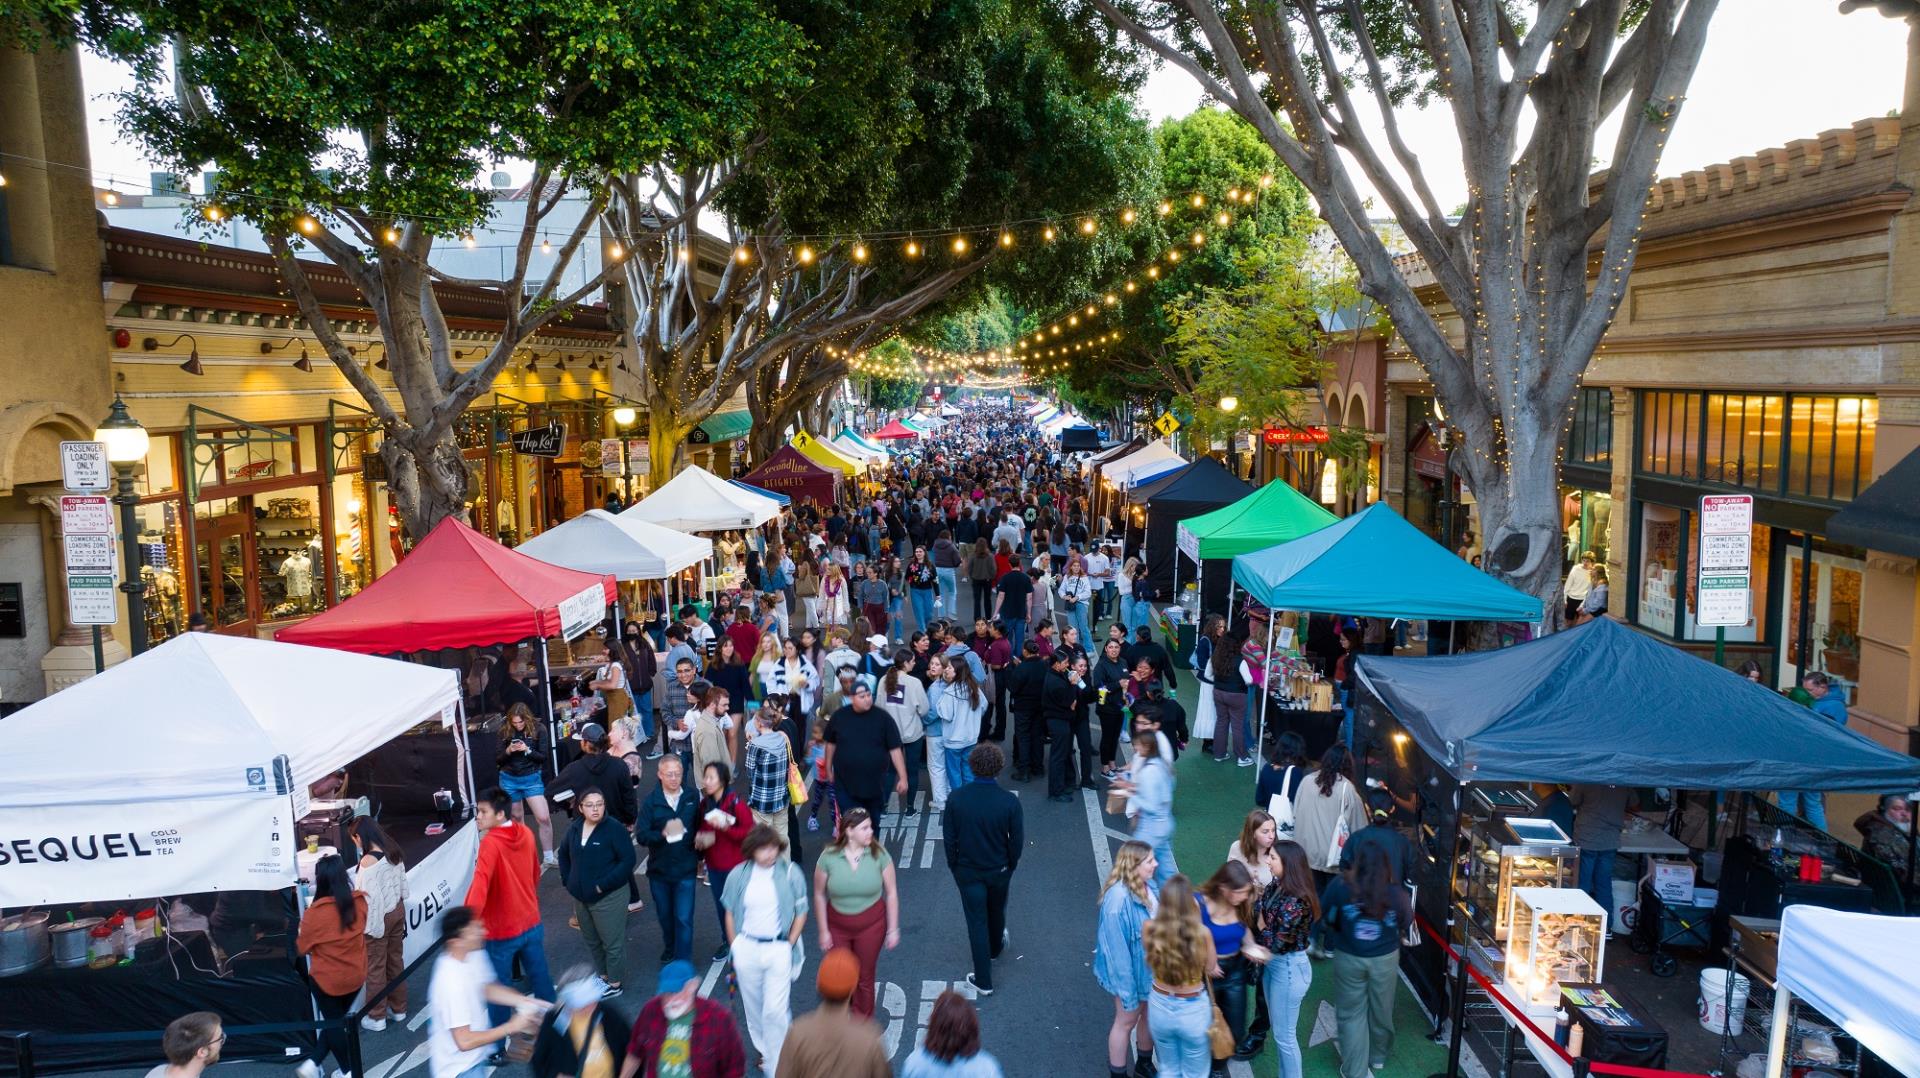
x: 1037, y: 407
x: 826, y: 456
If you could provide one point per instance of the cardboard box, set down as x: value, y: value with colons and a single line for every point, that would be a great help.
x: 1759, y: 941
x: 1673, y: 881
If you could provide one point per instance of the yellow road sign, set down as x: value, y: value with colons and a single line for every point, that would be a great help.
x: 1166, y: 424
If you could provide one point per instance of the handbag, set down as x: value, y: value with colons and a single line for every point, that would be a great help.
x: 1342, y: 829
x: 1219, y: 1034
x: 1280, y: 807
x: 796, y: 789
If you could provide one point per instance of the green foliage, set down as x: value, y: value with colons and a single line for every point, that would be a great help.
x: 389, y: 109
x: 1260, y: 343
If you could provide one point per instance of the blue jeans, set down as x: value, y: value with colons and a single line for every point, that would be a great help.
x: 1140, y: 613
x: 922, y: 606
x: 1103, y: 597
x: 530, y: 947
x: 1596, y: 878
x: 1077, y: 617
x: 673, y: 904
x: 958, y: 771
x: 1160, y: 837
x: 1016, y: 632
x: 893, y: 616
x: 643, y: 703
x: 1286, y: 981
x: 1811, y: 807
x: 1179, y: 1029
x: 949, y: 591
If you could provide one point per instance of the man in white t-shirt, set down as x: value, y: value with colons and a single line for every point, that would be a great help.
x: 192, y: 1044
x: 457, y: 997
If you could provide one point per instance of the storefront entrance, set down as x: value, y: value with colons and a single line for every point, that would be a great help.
x: 221, y: 554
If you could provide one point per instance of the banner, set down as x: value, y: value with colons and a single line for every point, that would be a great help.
x: 582, y: 610
x: 100, y: 853
x: 437, y: 884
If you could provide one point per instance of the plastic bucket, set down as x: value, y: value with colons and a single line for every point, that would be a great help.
x: 1718, y: 1008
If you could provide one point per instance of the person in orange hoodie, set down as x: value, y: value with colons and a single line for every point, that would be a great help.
x: 505, y: 895
x: 330, y: 941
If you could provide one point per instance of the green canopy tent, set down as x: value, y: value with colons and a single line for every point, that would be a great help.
x: 1275, y: 513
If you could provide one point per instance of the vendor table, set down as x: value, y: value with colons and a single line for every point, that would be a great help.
x: 1520, y: 1035
x: 1650, y: 841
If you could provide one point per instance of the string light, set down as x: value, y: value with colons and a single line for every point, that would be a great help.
x: 859, y: 252
x: 805, y: 255
x: 959, y: 245
x: 1006, y: 238
x: 742, y: 255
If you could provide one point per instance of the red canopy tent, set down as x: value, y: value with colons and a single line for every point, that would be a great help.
x: 893, y: 431
x: 790, y: 472
x: 460, y: 589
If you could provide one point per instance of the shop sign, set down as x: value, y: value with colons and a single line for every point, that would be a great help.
x: 83, y: 466
x: 1726, y: 514
x: 582, y: 611
x: 90, y: 853
x: 1294, y: 436
x: 612, y: 457
x: 435, y: 885
x: 544, y: 441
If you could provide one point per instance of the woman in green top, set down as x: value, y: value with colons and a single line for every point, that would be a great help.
x: 850, y: 878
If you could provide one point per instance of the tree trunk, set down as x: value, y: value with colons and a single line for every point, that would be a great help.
x: 666, y: 448
x: 428, y: 479
x: 1517, y: 499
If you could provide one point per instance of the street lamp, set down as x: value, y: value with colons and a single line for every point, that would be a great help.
x: 623, y: 417
x: 126, y: 442
x: 1229, y: 403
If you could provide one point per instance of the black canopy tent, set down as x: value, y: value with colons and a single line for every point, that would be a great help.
x: 1200, y: 487
x: 1079, y: 440
x: 1598, y: 704
x: 1886, y: 515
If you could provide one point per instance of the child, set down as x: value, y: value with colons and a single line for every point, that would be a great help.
x: 822, y: 788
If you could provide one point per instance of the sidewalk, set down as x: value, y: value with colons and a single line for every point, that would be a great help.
x: 1210, y: 803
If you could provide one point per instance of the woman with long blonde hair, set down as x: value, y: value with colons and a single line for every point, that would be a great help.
x: 834, y: 597
x: 1180, y: 955
x: 1120, y: 960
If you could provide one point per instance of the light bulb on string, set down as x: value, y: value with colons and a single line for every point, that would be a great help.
x: 1047, y: 234
x: 1087, y: 227
x: 1199, y: 200
x: 1127, y: 216
x: 1006, y: 238
x: 859, y: 252
x: 913, y: 249
x: 960, y: 245
x: 1164, y: 208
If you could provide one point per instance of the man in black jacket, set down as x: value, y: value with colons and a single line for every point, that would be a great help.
x: 984, y: 833
x: 596, y: 867
x: 1025, y: 680
x: 666, y: 827
x: 1062, y: 700
x: 598, y: 769
x: 1146, y: 647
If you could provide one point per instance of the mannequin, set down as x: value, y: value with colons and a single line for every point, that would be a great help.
x: 297, y: 572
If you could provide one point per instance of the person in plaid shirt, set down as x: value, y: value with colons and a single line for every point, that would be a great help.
x: 767, y: 756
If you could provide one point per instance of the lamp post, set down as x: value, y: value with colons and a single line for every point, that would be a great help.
x: 623, y: 417
x: 1230, y: 404
x: 126, y: 442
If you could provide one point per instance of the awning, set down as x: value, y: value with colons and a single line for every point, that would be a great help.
x: 896, y: 430
x: 696, y: 500
x: 1274, y: 514
x: 764, y: 493
x: 1886, y: 515
x: 625, y: 548
x: 1375, y: 564
x: 722, y: 427
x: 1079, y: 440
x: 1155, y: 458
x: 825, y: 455
x: 794, y: 472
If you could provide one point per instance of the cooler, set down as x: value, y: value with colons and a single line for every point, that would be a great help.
x: 1614, y: 1027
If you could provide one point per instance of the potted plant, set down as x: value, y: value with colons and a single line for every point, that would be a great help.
x: 1841, y: 651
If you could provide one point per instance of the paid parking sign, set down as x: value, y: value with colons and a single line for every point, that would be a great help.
x: 90, y: 599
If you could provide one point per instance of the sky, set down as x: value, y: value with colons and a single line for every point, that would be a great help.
x: 1773, y: 70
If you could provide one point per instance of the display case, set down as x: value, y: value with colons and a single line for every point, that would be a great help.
x: 1505, y: 852
x: 1558, y: 937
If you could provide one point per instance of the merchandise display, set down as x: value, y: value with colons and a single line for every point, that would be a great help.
x: 1558, y: 936
x: 1505, y: 852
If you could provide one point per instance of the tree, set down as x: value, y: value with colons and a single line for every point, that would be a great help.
x: 918, y: 116
x: 359, y: 131
x: 1536, y: 266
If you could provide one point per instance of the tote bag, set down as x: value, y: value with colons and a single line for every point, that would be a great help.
x: 1342, y: 829
x: 1280, y: 807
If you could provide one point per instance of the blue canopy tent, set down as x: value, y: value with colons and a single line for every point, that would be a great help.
x: 763, y: 492
x: 1373, y: 564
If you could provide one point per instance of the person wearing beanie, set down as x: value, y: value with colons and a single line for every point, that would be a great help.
x: 680, y: 1028
x: 831, y: 1042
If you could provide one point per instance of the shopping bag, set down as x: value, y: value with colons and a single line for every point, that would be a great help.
x: 1280, y: 807
x: 796, y: 789
x: 1342, y: 829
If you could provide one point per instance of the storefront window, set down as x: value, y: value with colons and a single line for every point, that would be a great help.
x: 1830, y: 446
x: 1586, y: 521
x: 1669, y: 434
x: 1590, y: 438
x: 1660, y: 533
x: 161, y: 475
x: 1834, y: 586
x: 162, y: 568
x: 1808, y: 447
x: 352, y: 535
x: 287, y: 553
x: 1743, y: 439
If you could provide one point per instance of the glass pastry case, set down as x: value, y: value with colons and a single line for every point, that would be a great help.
x: 1558, y: 937
x: 1505, y: 852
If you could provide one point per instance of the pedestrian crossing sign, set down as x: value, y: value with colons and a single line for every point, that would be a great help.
x: 1166, y: 424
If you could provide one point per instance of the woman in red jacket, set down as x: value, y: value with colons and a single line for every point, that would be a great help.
x: 725, y: 820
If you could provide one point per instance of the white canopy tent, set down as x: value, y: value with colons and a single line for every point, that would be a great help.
x: 926, y: 422
x: 212, y: 742
x: 696, y: 500
x: 1061, y: 422
x: 1156, y: 457
x: 623, y: 547
x: 949, y: 410
x: 847, y: 447
x: 1857, y: 970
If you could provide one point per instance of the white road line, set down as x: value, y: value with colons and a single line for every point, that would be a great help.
x: 419, y: 1019
x: 1097, y: 828
x: 713, y: 976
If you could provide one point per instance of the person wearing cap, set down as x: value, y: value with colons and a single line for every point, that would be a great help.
x: 596, y: 768
x: 863, y: 741
x: 579, y: 1036
x: 832, y: 1042
x: 681, y: 1032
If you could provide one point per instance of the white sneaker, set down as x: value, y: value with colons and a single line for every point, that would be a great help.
x: 341, y: 1074
x: 373, y: 1025
x: 307, y: 1069
x: 550, y: 859
x: 398, y: 1018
